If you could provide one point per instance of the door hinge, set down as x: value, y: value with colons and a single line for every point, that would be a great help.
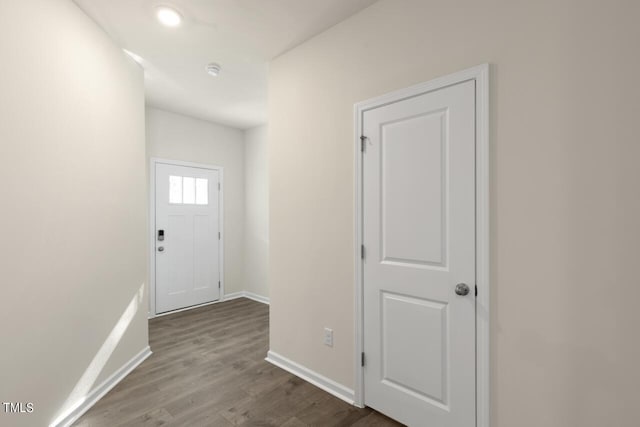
x: 218, y: 235
x: 363, y: 142
x: 218, y: 284
x: 219, y: 187
x: 476, y: 286
x: 362, y: 251
x: 362, y: 359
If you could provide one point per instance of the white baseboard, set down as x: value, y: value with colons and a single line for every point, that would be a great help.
x: 227, y: 297
x: 234, y: 295
x: 326, y: 384
x: 98, y: 392
x: 246, y: 294
x: 184, y: 309
x: 256, y: 297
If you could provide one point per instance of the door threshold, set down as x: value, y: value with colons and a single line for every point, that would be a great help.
x: 191, y: 307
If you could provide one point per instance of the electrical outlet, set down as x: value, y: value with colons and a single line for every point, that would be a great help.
x: 328, y: 337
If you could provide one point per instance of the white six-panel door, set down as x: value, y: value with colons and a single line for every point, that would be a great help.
x: 187, y: 255
x: 419, y: 235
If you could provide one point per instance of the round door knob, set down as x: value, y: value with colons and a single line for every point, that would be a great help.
x: 160, y: 248
x: 462, y: 289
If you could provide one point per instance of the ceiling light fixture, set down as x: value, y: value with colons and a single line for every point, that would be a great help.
x: 213, y: 69
x: 168, y: 16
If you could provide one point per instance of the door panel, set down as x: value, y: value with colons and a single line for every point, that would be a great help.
x: 419, y: 232
x: 203, y: 252
x: 412, y: 221
x: 405, y: 348
x: 176, y: 253
x: 187, y: 260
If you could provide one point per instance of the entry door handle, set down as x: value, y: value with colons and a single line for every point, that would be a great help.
x: 462, y: 289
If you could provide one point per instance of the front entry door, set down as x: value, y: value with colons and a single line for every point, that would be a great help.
x: 419, y: 264
x: 187, y: 239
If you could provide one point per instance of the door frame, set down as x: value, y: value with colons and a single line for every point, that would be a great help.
x: 152, y: 228
x: 480, y: 74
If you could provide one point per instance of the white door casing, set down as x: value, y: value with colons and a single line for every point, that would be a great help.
x: 417, y: 184
x: 188, y: 258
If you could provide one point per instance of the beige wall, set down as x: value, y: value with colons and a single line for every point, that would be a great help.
x: 177, y: 137
x: 73, y: 214
x: 564, y: 185
x: 256, y: 230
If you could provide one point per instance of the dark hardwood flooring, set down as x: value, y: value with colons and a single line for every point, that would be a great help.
x: 208, y: 369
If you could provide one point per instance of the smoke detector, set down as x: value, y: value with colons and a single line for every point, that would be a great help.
x: 213, y: 69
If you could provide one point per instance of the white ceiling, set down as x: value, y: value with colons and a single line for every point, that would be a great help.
x: 240, y: 35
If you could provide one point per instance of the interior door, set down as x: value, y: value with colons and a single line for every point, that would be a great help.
x: 419, y: 264
x: 187, y: 253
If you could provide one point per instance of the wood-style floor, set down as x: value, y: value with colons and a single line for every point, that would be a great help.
x: 208, y: 369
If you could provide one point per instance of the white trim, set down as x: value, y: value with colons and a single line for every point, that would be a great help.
x: 481, y: 76
x: 247, y: 294
x: 187, y: 164
x: 256, y: 297
x: 320, y: 381
x: 152, y: 226
x: 191, y: 307
x: 483, y: 250
x: 228, y: 297
x: 80, y: 408
x: 357, y: 250
x: 234, y: 295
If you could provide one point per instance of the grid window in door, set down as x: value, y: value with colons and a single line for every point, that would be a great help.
x: 188, y: 190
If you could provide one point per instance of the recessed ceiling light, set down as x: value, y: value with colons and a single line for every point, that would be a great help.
x: 168, y: 16
x: 133, y: 56
x: 213, y: 69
